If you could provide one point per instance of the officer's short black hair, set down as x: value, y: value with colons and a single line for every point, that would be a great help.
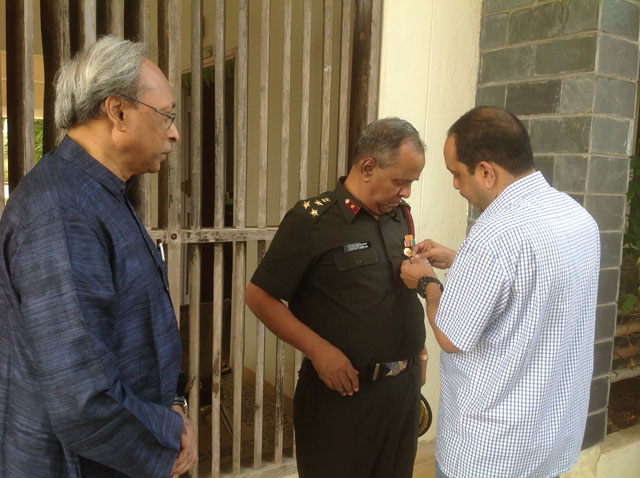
x: 489, y: 133
x: 381, y: 139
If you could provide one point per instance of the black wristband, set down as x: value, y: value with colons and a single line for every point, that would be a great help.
x: 422, y: 285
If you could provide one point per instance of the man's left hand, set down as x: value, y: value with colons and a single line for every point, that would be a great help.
x: 188, y: 446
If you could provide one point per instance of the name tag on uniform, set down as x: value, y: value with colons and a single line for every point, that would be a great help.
x: 356, y: 246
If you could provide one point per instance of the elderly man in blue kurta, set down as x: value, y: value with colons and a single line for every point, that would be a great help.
x: 89, y: 345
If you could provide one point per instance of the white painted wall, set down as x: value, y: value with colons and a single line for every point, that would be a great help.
x: 429, y: 68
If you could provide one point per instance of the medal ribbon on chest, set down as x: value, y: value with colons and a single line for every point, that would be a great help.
x: 409, y: 242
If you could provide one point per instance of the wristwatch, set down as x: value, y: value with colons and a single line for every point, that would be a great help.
x: 182, y: 401
x: 422, y: 285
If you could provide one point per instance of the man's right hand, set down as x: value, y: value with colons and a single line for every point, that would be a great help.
x: 335, y: 370
x: 438, y: 255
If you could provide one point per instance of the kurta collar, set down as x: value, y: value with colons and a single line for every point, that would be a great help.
x: 73, y: 152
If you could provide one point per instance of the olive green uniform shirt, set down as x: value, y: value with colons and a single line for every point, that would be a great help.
x: 339, y: 269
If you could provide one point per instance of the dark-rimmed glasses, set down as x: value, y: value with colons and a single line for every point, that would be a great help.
x: 170, y: 117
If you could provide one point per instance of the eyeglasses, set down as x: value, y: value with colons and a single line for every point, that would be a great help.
x: 170, y: 117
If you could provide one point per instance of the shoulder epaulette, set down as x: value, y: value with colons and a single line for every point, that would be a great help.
x: 315, y: 206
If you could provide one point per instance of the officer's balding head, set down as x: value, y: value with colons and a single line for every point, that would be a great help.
x: 381, y: 140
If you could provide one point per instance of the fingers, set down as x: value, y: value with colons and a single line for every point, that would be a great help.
x: 181, y: 464
x: 349, y: 381
x: 336, y: 371
x: 188, y: 448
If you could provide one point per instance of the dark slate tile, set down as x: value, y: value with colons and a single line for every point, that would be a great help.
x: 491, y: 96
x: 616, y: 97
x: 610, y: 249
x: 618, y: 57
x: 611, y: 136
x: 566, y: 56
x: 493, y: 32
x: 579, y: 198
x: 570, y: 173
x: 536, y: 23
x: 561, y: 135
x: 534, y: 98
x: 495, y: 5
x: 581, y: 15
x: 507, y: 64
x: 608, y: 286
x: 599, y: 396
x: 577, y: 95
x: 544, y: 164
x: 606, y: 316
x: 595, y: 430
x: 621, y: 17
x: 602, y: 357
x: 608, y: 175
x: 608, y: 211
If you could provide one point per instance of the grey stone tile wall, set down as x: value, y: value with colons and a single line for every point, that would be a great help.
x: 569, y: 70
x: 608, y: 175
x: 581, y: 15
x: 534, y: 98
x: 578, y: 94
x: 507, y: 64
x: 494, y: 31
x: 618, y: 56
x: 621, y: 17
x: 605, y: 321
x: 615, y: 97
x: 566, y: 55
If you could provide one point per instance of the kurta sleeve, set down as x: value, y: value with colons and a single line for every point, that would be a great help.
x: 61, y: 273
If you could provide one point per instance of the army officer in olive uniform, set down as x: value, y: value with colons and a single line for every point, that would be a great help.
x: 336, y: 260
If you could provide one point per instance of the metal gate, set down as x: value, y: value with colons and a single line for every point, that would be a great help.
x: 347, y: 71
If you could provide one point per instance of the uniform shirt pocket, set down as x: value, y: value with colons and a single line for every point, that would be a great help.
x: 350, y: 260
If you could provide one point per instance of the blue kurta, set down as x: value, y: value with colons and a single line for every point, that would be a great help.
x: 89, y: 346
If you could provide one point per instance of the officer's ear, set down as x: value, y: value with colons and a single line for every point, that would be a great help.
x: 367, y: 167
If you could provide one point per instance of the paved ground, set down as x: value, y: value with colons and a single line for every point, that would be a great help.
x: 424, y: 470
x: 425, y: 464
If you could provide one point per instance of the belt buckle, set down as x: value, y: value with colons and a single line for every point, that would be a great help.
x: 388, y: 369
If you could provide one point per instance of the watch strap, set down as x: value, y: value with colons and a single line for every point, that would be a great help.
x: 422, y: 285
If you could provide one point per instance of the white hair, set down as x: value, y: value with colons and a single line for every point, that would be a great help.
x: 111, y: 66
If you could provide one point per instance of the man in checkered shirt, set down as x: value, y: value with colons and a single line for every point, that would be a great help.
x: 516, y: 321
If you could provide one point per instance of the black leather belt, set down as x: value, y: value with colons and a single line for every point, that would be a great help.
x: 382, y: 370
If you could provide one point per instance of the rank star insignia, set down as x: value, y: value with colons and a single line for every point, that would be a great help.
x: 305, y: 204
x: 314, y: 212
x: 326, y: 199
x: 317, y: 203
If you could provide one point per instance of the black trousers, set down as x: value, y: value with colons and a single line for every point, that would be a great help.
x: 372, y: 434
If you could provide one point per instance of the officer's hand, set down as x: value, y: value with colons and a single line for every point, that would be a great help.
x: 412, y: 270
x: 335, y: 370
x: 440, y: 256
x: 188, y: 446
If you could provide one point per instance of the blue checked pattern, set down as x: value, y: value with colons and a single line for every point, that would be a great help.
x: 520, y: 304
x: 89, y: 345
